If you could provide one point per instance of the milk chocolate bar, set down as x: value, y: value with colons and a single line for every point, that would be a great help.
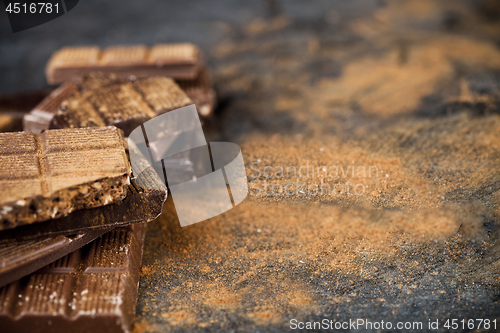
x: 102, y: 99
x: 20, y: 258
x: 50, y: 175
x: 140, y: 205
x: 180, y: 61
x: 94, y: 289
x: 27, y: 248
x: 200, y: 91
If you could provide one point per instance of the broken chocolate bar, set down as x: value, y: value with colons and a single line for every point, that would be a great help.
x: 20, y: 258
x: 180, y: 61
x: 200, y: 91
x: 93, y: 289
x: 27, y: 248
x: 50, y: 175
x: 140, y: 205
x: 102, y: 99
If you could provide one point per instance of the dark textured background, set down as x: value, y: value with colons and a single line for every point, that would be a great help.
x: 411, y: 87
x: 23, y: 55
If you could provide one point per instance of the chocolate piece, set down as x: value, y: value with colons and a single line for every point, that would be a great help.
x: 102, y: 99
x: 51, y: 175
x: 20, y: 258
x: 200, y: 91
x: 180, y: 61
x: 140, y: 205
x: 92, y: 289
x: 28, y: 248
x: 14, y: 106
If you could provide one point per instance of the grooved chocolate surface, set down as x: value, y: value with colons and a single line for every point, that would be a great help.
x: 25, y: 249
x: 102, y: 99
x: 93, y: 288
x: 20, y: 258
x: 50, y: 175
x: 173, y: 60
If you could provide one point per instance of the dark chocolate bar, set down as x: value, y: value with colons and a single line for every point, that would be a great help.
x: 50, y: 175
x: 94, y: 289
x: 102, y: 99
x: 180, y: 61
x: 20, y: 258
x: 200, y: 91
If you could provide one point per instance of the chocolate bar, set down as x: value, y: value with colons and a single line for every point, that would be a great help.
x: 27, y: 248
x: 14, y: 106
x: 102, y: 99
x: 180, y: 61
x: 142, y: 204
x: 50, y: 175
x: 94, y: 289
x: 20, y: 258
x: 200, y: 91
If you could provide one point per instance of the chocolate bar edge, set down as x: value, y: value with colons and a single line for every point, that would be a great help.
x: 16, y: 272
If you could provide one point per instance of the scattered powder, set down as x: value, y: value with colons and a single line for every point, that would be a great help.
x: 424, y: 223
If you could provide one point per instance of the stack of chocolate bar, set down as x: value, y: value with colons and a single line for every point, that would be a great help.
x: 72, y: 215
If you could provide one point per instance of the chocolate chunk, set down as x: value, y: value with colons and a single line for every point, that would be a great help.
x: 51, y: 175
x: 200, y: 91
x: 93, y: 289
x: 102, y: 99
x: 140, y: 205
x: 180, y: 61
x: 20, y: 258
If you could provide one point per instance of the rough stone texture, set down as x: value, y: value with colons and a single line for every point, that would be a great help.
x: 408, y: 88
